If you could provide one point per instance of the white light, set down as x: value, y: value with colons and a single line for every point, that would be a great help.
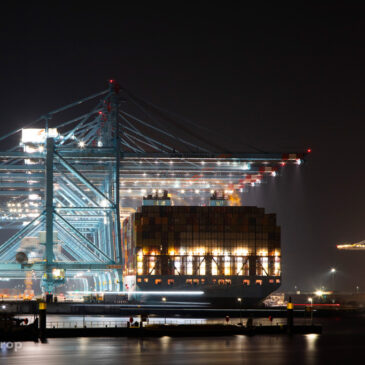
x: 100, y: 144
x: 299, y: 161
x: 333, y: 270
x: 319, y: 293
x: 183, y: 191
x: 34, y: 197
x: 142, y: 292
x: 197, y: 191
x: 81, y: 144
x: 273, y: 173
x: 37, y: 135
x: 203, y: 162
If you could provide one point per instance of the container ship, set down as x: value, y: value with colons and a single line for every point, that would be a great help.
x: 224, y: 252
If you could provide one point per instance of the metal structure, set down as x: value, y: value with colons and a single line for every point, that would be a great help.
x: 80, y: 169
x: 352, y: 246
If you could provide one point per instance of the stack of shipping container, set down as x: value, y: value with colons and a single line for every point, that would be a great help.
x: 201, y: 241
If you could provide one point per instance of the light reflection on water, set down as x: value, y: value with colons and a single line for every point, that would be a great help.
x: 330, y: 347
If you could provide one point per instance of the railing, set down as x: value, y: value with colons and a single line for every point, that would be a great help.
x: 167, y: 321
x: 87, y: 324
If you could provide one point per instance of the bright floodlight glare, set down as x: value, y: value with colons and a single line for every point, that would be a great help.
x: 319, y: 293
x: 82, y: 144
x: 310, y: 300
x: 333, y: 270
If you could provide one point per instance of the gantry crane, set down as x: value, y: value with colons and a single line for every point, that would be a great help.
x: 352, y: 246
x: 69, y: 178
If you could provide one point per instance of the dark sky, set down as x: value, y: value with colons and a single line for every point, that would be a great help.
x: 280, y: 78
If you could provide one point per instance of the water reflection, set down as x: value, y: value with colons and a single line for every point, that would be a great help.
x: 311, y: 341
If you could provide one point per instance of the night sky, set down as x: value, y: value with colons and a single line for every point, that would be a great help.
x: 278, y: 78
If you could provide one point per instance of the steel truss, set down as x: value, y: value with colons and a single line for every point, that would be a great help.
x: 83, y: 180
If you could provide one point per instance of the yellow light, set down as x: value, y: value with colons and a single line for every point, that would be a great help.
x: 319, y: 293
x: 172, y: 252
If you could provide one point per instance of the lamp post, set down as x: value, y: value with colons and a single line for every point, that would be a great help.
x: 240, y: 301
x: 311, y: 302
x: 164, y: 301
x: 333, y: 271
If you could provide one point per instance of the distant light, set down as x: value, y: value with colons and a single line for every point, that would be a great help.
x: 203, y: 162
x: 34, y: 197
x: 319, y: 293
x: 310, y: 300
x: 100, y: 144
x: 299, y: 161
x: 273, y: 173
x: 81, y: 144
x: 164, y: 299
x: 3, y: 306
x: 309, y: 150
x: 239, y: 299
x: 184, y: 292
x: 333, y: 270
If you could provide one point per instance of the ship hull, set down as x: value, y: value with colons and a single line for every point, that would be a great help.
x: 213, y: 292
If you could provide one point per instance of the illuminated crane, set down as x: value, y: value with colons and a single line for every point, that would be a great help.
x: 70, y: 177
x: 352, y: 246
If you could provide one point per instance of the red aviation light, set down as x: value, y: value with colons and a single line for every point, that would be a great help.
x: 309, y: 150
x: 282, y: 163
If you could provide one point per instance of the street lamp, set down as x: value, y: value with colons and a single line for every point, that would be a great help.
x: 310, y: 300
x: 333, y: 271
x: 240, y: 301
x: 164, y: 301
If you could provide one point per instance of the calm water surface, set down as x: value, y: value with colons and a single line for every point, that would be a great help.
x: 343, y: 342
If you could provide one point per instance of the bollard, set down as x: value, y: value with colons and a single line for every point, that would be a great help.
x: 290, y: 308
x: 42, y: 321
